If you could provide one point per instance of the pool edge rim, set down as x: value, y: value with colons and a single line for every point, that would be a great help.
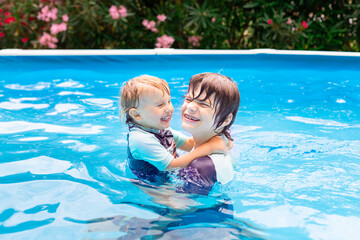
x: 167, y: 51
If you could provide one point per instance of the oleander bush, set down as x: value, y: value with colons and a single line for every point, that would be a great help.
x: 190, y: 24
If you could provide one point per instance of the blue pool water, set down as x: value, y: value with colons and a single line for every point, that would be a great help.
x: 63, y: 168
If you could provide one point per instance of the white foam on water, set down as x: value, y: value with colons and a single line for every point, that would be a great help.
x: 66, y: 108
x: 280, y: 217
x: 323, y: 122
x: 19, y: 100
x: 334, y: 227
x: 78, y: 201
x: 235, y: 129
x: 70, y: 84
x: 79, y: 146
x: 339, y: 100
x: 37, y: 165
x: 44, y: 165
x: 319, y: 226
x: 101, y: 102
x: 122, y: 142
x: 65, y: 93
x: 91, y: 114
x: 34, y: 87
x: 19, y: 106
x: 112, y: 85
x: 32, y: 139
x: 23, y: 126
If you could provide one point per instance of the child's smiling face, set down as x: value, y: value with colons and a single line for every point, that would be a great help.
x: 198, y: 115
x: 155, y: 109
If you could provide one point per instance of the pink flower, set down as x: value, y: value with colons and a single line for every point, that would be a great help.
x: 25, y: 39
x: 304, y: 24
x: 47, y: 14
x: 123, y: 11
x: 195, y: 40
x: 48, y: 40
x: 56, y: 28
x: 289, y: 21
x: 150, y: 25
x: 2, y: 34
x: 65, y: 18
x: 164, y: 41
x: 269, y: 21
x: 213, y: 19
x: 114, y: 12
x: 63, y: 26
x: 117, y: 12
x: 145, y: 22
x: 7, y: 14
x: 161, y: 18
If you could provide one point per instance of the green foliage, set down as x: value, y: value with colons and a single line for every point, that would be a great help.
x: 209, y: 24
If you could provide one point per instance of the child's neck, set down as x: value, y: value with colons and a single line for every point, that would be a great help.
x: 199, y: 140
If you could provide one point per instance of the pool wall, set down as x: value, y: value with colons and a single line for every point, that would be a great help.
x: 109, y: 60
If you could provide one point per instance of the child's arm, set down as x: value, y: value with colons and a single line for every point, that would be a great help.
x: 188, y: 145
x: 215, y: 144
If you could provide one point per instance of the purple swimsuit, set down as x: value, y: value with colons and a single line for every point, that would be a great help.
x: 199, y: 177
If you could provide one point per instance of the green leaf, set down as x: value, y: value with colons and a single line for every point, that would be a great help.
x: 251, y: 5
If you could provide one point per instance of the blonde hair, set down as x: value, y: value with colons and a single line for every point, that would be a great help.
x: 132, y: 90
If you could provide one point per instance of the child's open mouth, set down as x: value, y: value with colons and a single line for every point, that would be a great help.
x: 165, y: 119
x: 191, y: 118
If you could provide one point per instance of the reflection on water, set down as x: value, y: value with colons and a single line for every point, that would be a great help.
x: 178, y: 216
x: 63, y: 160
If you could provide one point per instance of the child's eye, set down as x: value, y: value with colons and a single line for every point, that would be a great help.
x: 188, y: 99
x: 160, y: 105
x: 204, y: 104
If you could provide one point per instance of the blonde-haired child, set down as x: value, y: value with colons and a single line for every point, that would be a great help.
x: 147, y: 109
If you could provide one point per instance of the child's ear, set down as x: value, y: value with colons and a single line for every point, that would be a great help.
x: 134, y: 114
x: 227, y: 120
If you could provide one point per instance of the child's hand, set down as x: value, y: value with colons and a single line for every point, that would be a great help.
x: 218, y: 145
x: 230, y: 145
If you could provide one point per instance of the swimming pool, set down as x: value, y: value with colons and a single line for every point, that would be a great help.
x: 63, y: 149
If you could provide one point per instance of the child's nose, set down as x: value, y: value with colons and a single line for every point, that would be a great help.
x: 192, y: 107
x: 169, y: 108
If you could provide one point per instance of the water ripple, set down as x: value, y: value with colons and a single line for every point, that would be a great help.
x: 23, y: 126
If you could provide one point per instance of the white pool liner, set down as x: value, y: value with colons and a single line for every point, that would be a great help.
x: 167, y: 51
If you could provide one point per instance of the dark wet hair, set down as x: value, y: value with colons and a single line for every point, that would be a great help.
x: 226, y: 96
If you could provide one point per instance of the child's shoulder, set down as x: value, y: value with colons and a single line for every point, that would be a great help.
x: 136, y: 133
x: 224, y: 166
x: 140, y: 138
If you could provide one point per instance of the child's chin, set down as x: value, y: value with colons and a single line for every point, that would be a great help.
x: 165, y: 125
x: 186, y: 127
